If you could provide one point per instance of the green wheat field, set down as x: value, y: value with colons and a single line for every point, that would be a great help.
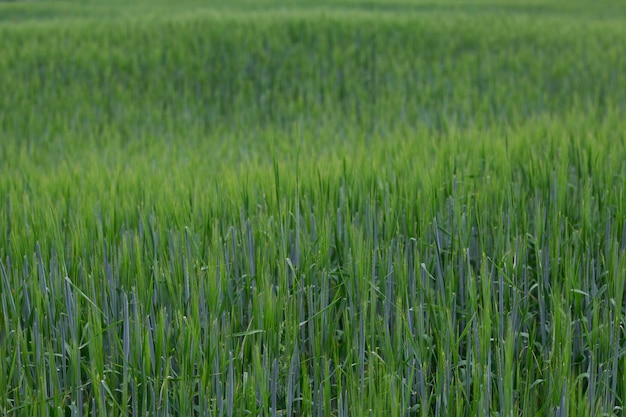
x: 313, y: 208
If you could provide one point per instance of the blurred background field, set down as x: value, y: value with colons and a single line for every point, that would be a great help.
x: 343, y: 207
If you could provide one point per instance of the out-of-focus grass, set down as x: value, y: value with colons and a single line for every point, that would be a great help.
x: 20, y: 11
x: 361, y: 70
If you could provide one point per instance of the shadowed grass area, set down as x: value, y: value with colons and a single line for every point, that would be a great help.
x: 335, y: 208
x: 31, y: 11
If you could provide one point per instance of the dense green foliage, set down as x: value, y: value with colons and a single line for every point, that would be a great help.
x: 334, y: 208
